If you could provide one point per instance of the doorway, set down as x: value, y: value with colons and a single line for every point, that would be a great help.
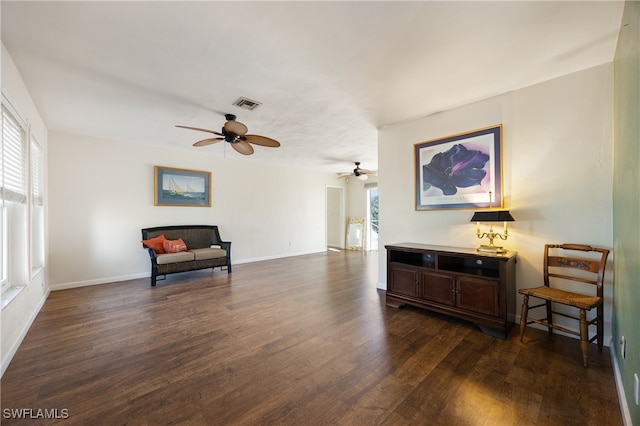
x: 335, y: 226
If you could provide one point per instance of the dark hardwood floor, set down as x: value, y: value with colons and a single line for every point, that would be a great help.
x: 299, y: 341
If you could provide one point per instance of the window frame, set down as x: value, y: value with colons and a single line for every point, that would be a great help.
x: 37, y: 213
x: 14, y: 202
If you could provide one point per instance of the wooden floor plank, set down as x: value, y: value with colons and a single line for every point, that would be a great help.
x: 305, y: 340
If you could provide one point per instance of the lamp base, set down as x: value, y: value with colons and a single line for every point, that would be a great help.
x: 491, y: 249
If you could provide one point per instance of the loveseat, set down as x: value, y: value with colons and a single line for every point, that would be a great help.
x: 182, y: 248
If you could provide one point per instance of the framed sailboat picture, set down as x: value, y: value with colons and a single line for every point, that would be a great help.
x: 181, y: 187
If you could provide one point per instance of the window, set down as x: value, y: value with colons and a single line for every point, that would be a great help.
x: 13, y: 194
x: 372, y: 214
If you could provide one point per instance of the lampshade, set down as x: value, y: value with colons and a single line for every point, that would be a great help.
x: 492, y: 216
x: 362, y: 177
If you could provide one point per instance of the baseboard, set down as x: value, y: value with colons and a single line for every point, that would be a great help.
x: 624, y: 407
x: 64, y: 286
x: 23, y: 333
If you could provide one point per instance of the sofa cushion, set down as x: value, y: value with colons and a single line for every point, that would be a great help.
x: 156, y: 243
x: 183, y: 256
x: 174, y: 246
x: 208, y: 253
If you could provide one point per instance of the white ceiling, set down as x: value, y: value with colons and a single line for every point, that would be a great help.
x: 328, y: 74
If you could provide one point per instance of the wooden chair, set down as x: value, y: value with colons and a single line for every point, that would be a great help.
x: 564, y: 263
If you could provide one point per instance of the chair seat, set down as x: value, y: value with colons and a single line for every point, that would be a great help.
x: 580, y: 301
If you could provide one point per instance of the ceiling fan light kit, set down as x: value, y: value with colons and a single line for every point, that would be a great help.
x: 235, y: 133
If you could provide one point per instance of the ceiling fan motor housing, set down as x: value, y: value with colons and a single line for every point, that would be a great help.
x: 230, y: 137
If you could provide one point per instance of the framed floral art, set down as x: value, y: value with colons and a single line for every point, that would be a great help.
x: 462, y: 171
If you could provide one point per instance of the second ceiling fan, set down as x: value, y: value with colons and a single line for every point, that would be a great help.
x: 358, y: 173
x: 235, y: 133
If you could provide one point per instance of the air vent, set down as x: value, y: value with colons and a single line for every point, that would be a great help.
x: 246, y: 103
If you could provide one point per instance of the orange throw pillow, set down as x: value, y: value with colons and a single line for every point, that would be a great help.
x: 157, y: 243
x: 174, y: 246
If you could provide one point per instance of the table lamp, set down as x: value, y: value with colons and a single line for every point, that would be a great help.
x: 492, y: 216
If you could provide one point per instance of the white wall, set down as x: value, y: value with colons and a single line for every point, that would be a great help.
x: 18, y: 315
x: 102, y: 195
x: 557, y: 173
x: 357, y: 198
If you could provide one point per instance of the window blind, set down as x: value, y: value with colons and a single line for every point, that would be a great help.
x: 13, y: 165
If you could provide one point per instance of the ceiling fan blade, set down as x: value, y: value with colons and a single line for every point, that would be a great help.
x: 343, y: 175
x: 202, y: 130
x: 261, y: 140
x: 243, y: 147
x: 364, y: 171
x: 208, y: 141
x: 235, y: 127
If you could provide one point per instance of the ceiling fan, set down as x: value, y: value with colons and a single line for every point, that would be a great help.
x: 235, y: 133
x: 358, y: 173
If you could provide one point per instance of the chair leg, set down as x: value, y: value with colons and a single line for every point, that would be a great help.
x: 584, y: 337
x: 600, y: 326
x: 523, y: 315
x: 549, y: 317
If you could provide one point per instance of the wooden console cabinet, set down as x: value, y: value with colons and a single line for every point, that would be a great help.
x: 478, y: 287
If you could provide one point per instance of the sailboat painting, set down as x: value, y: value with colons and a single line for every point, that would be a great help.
x: 181, y: 187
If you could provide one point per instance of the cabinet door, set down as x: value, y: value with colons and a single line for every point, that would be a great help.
x: 404, y: 280
x: 438, y: 288
x: 478, y: 295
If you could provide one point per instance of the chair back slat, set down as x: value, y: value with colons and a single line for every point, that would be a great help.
x: 574, y: 262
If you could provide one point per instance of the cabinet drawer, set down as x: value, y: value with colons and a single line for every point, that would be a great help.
x: 438, y: 288
x: 478, y: 295
x: 404, y: 280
